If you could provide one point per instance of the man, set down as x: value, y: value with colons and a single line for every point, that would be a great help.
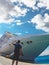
x: 17, y: 52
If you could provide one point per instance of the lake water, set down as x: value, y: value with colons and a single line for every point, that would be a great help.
x: 42, y: 59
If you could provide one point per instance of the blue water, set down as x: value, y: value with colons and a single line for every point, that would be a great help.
x: 42, y: 59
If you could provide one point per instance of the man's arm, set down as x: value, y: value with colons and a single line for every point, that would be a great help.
x: 13, y: 43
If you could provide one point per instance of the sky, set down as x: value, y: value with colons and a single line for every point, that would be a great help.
x: 23, y: 17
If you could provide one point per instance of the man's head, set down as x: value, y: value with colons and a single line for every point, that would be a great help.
x: 18, y: 41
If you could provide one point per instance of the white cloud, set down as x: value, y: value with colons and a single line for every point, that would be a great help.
x: 29, y: 3
x: 6, y: 5
x: 6, y: 21
x: 18, y: 22
x: 17, y: 11
x: 18, y: 33
x: 7, y: 8
x: 43, y: 3
x: 0, y: 35
x: 41, y: 22
x: 28, y: 21
x: 13, y: 0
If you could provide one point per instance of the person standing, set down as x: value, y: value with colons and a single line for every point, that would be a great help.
x: 17, y: 52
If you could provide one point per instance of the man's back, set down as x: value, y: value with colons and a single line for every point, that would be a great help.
x: 17, y: 48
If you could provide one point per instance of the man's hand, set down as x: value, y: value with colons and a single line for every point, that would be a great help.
x: 7, y: 56
x: 14, y: 42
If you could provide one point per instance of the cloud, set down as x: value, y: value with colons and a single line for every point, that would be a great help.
x: 13, y: 0
x: 28, y: 21
x: 41, y: 22
x: 5, y: 7
x: 17, y: 11
x: 18, y: 22
x: 18, y: 33
x: 29, y: 3
x: 6, y: 4
x: 0, y: 35
x: 32, y: 3
x: 6, y: 21
x: 9, y: 11
x: 43, y: 3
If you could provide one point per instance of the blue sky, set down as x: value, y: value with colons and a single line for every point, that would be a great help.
x: 24, y: 17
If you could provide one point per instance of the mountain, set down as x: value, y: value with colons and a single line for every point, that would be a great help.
x: 33, y: 45
x: 6, y: 36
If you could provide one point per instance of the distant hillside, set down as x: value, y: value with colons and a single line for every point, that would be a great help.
x: 6, y: 36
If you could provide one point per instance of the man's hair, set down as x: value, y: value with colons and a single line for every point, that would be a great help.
x: 18, y: 41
